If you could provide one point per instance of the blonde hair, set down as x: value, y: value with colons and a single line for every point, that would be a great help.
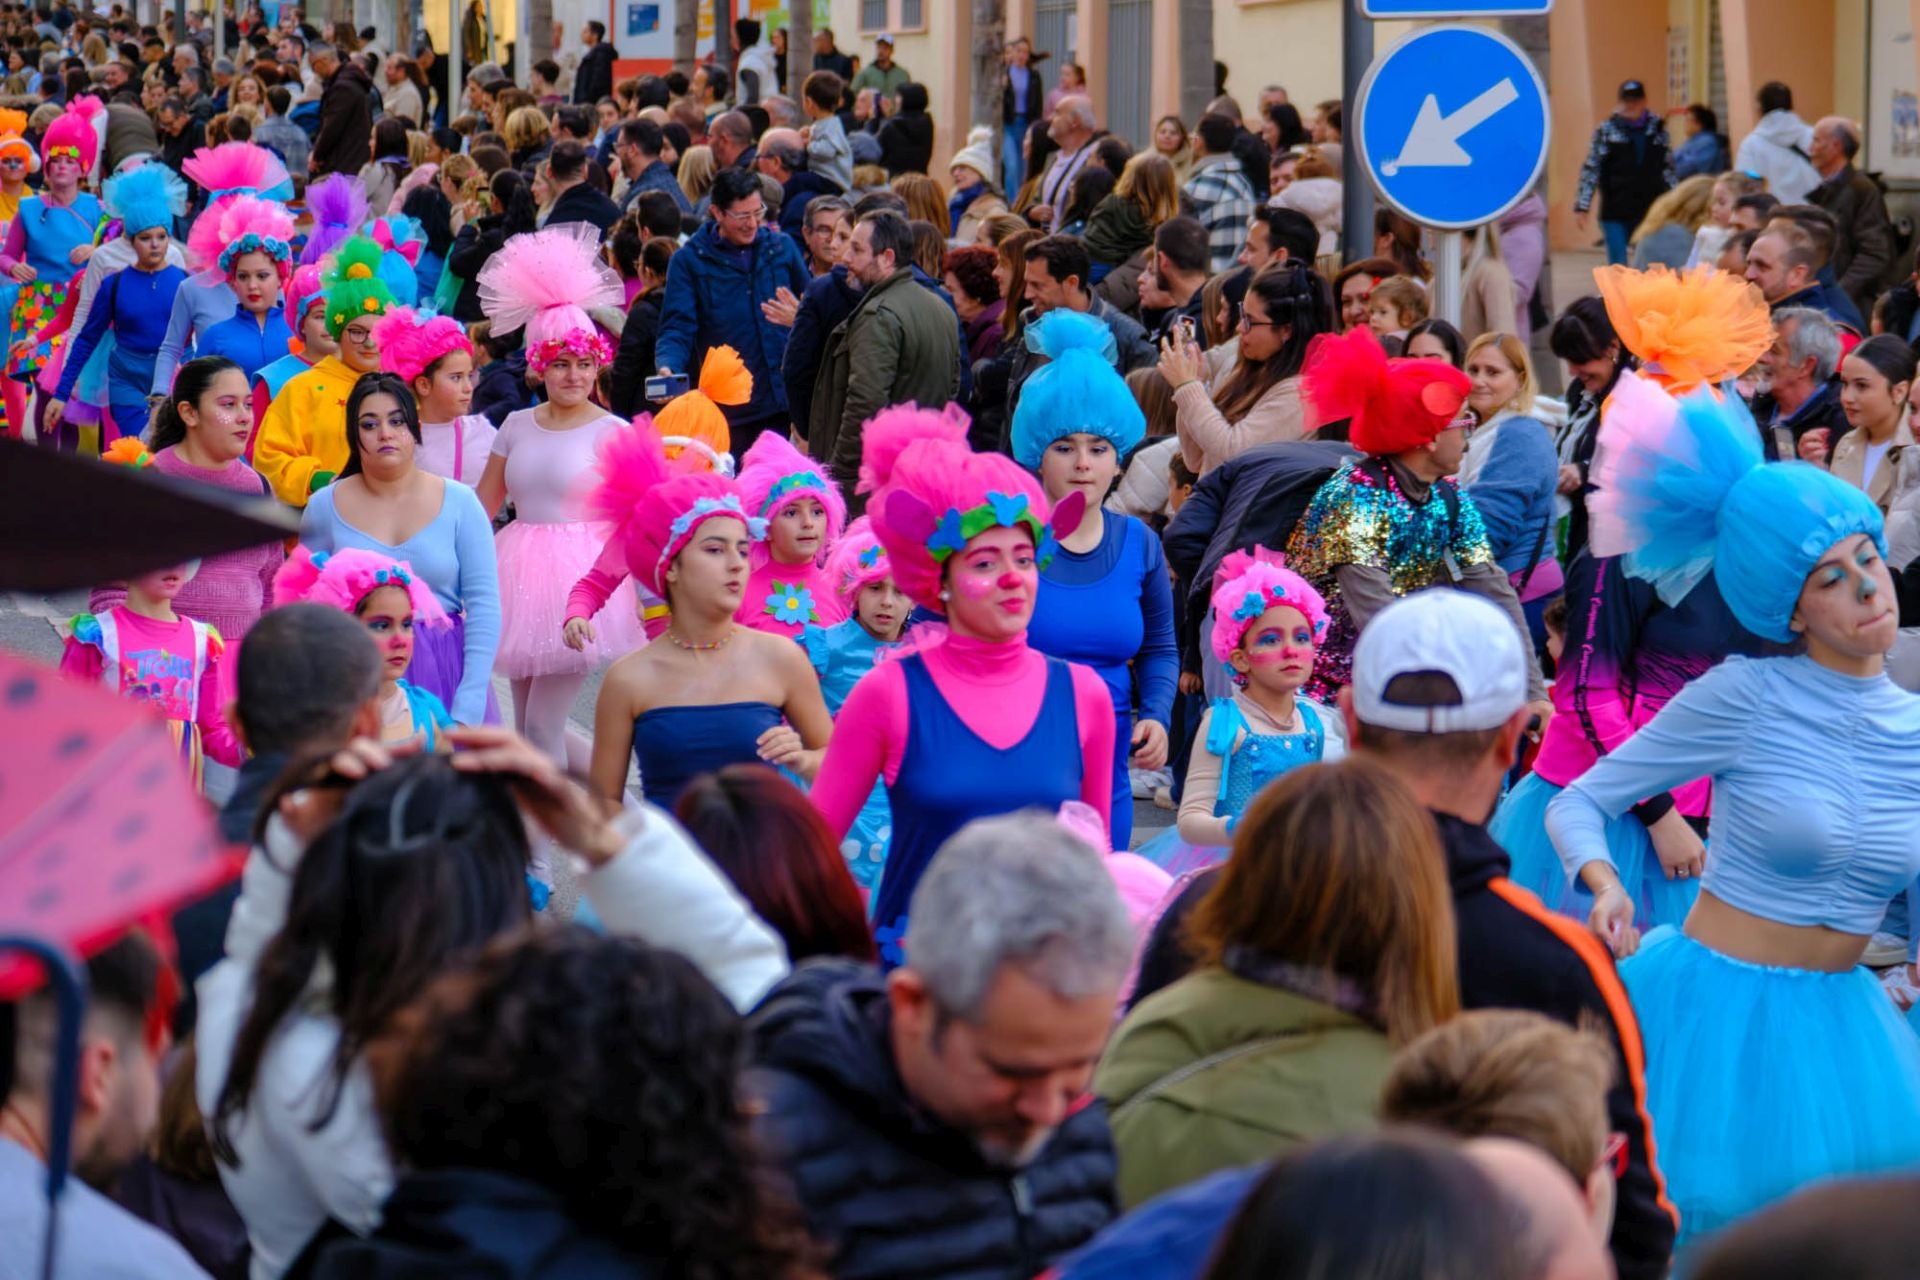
x: 869, y: 177
x: 1150, y: 184
x: 252, y: 112
x: 1406, y: 297
x: 1686, y: 206
x: 696, y: 172
x: 525, y: 127
x: 468, y: 179
x: 417, y: 145
x: 1001, y: 225
x: 1155, y: 398
x: 1313, y: 163
x: 926, y: 201
x: 1739, y: 183
x: 1514, y: 352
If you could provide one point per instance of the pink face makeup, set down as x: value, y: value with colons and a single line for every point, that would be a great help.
x: 992, y: 583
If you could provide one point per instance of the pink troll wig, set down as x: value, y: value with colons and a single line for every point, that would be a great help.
x: 774, y: 475
x: 932, y: 495
x: 655, y: 505
x: 77, y: 134
x: 342, y: 579
x: 338, y: 206
x: 857, y: 560
x: 238, y: 169
x: 411, y: 343
x: 1247, y: 585
x: 239, y: 224
x: 547, y: 281
x: 302, y: 291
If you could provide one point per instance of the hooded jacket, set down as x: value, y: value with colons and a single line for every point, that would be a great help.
x: 713, y: 299
x: 890, y: 1188
x: 345, y: 140
x: 1777, y: 151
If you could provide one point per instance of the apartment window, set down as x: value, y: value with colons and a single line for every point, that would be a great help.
x: 893, y: 15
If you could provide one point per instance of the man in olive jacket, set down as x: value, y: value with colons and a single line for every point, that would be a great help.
x: 899, y: 344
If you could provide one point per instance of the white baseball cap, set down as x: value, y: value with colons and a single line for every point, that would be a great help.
x: 1466, y: 638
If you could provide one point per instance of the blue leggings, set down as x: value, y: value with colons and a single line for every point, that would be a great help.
x: 1616, y: 234
x: 1013, y: 169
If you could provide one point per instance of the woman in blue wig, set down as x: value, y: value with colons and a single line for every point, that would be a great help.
x: 135, y: 302
x: 1105, y: 600
x: 1773, y: 1058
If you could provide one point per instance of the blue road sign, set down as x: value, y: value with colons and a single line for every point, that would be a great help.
x: 1454, y: 8
x: 1452, y: 126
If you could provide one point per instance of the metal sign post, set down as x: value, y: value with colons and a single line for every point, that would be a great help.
x: 1446, y: 278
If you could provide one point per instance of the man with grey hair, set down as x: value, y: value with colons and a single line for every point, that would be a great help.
x: 731, y: 138
x: 1803, y: 390
x: 1863, y: 252
x: 935, y: 1120
x: 782, y: 112
x: 1073, y: 128
x: 783, y: 157
x: 344, y: 142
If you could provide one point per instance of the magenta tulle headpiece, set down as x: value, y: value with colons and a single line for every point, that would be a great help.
x: 238, y: 169
x: 774, y: 475
x: 239, y: 224
x: 655, y: 505
x: 931, y: 494
x: 342, y: 579
x: 410, y: 341
x: 546, y: 282
x: 338, y: 206
x: 1247, y: 585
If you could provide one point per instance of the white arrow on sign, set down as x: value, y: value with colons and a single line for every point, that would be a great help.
x: 1434, y: 140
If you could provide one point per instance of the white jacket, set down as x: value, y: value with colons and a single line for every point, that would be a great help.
x: 290, y: 1178
x: 1777, y: 151
x: 759, y: 60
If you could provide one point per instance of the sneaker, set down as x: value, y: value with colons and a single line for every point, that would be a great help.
x: 1163, y: 797
x: 1885, y: 949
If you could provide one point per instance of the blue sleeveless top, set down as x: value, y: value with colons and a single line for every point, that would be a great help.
x: 674, y: 744
x: 949, y: 776
x: 1262, y: 757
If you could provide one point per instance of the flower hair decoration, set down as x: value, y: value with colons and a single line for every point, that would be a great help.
x: 1001, y: 510
x: 1249, y: 584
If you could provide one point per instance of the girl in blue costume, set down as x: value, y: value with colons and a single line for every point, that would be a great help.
x: 711, y: 692
x: 251, y: 253
x: 306, y: 316
x: 135, y: 301
x: 1773, y: 1059
x: 1268, y: 623
x: 842, y: 653
x: 48, y: 245
x: 1106, y: 599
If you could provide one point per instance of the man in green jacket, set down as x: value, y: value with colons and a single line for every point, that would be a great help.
x: 899, y: 344
x: 883, y: 73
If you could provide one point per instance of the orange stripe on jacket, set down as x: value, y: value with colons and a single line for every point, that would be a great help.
x: 1600, y: 964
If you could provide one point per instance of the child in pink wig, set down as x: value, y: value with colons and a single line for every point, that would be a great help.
x: 716, y: 692
x: 306, y: 317
x: 389, y: 600
x: 544, y: 282
x: 434, y: 357
x: 789, y: 588
x: 979, y: 723
x: 245, y: 243
x: 1267, y: 625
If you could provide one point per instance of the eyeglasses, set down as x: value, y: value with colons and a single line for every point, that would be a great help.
x: 359, y: 335
x: 744, y: 215
x: 1247, y: 322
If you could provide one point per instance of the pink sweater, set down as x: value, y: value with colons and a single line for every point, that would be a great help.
x: 232, y: 589
x: 996, y: 691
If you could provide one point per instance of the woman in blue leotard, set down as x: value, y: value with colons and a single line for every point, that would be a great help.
x: 709, y: 692
x: 1106, y: 599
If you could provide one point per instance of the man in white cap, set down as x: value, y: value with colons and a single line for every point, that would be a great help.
x: 1439, y: 696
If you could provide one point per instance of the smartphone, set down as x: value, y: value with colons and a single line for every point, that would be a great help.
x: 666, y: 387
x: 1183, y: 330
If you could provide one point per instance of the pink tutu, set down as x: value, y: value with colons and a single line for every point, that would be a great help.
x: 539, y: 563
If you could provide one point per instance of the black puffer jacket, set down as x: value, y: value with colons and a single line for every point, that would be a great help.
x: 891, y: 1189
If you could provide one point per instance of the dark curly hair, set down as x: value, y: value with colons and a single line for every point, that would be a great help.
x: 605, y: 1071
x: 780, y: 853
x: 973, y: 268
x: 423, y: 866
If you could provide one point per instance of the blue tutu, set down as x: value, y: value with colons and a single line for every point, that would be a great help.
x: 1176, y: 857
x: 1761, y: 1080
x: 1520, y: 825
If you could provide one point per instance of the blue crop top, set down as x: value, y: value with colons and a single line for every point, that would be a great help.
x: 1784, y: 842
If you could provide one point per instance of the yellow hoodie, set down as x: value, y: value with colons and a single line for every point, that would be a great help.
x: 302, y: 442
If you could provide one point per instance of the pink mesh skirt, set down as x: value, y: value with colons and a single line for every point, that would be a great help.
x: 539, y: 563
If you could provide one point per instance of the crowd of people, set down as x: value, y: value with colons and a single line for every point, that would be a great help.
x: 915, y: 524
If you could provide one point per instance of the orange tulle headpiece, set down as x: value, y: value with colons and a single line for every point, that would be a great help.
x: 1689, y: 328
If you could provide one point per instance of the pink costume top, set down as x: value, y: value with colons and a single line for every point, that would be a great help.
x: 232, y: 589
x: 457, y: 450
x: 785, y: 598
x: 155, y: 663
x: 994, y: 688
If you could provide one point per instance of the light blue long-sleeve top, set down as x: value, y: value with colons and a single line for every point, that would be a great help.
x: 1512, y: 477
x: 196, y: 309
x: 454, y: 556
x: 1784, y: 843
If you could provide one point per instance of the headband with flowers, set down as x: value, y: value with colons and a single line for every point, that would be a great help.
x: 1246, y: 586
x: 956, y: 528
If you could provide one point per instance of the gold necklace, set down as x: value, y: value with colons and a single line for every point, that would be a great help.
x: 678, y: 643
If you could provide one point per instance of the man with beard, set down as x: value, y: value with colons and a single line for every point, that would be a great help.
x: 935, y: 1120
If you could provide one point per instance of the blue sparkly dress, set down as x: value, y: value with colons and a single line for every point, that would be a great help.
x: 1256, y: 760
x: 840, y: 655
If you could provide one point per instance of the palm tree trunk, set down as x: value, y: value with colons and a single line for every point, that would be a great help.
x: 799, y: 47
x: 686, y: 28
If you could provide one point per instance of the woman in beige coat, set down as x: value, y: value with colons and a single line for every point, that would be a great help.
x: 1256, y: 400
x: 975, y: 199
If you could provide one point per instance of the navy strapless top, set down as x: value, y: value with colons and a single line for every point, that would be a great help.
x: 674, y: 744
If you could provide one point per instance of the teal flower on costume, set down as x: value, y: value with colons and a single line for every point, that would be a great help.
x: 791, y: 603
x: 1252, y: 607
x: 948, y: 537
x: 1007, y: 508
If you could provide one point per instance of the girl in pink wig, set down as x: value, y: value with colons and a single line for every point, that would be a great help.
x: 434, y: 357
x: 790, y: 589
